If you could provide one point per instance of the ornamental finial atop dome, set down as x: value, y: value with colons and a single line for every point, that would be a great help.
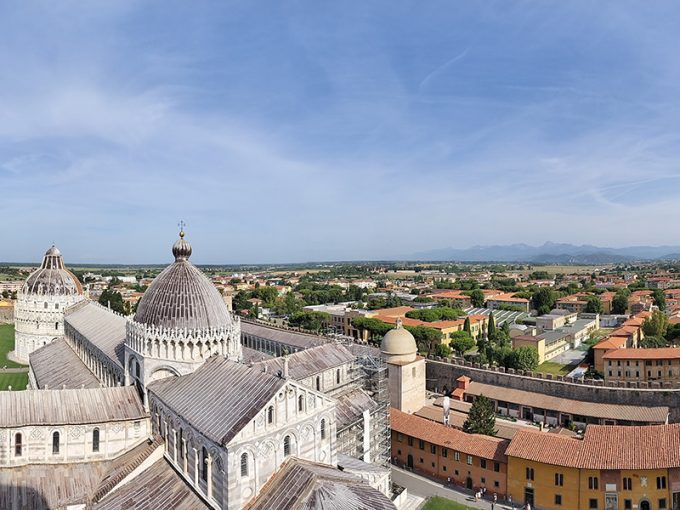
x: 181, y: 249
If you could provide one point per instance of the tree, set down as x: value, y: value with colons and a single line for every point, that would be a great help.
x: 442, y: 350
x: 481, y: 418
x: 544, y: 300
x: 656, y: 325
x: 461, y: 342
x: 113, y: 299
x: 466, y: 326
x: 477, y: 298
x: 375, y: 327
x: 620, y: 303
x: 659, y: 299
x: 523, y: 358
x: 491, y: 326
x: 594, y: 305
x: 426, y: 338
x: 653, y: 342
x: 312, y: 321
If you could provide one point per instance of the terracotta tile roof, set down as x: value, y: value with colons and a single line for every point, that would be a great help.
x: 612, y: 342
x: 486, y: 447
x: 603, y: 447
x: 660, y: 353
x: 640, y: 414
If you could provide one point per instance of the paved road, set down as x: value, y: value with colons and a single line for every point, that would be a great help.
x: 425, y: 487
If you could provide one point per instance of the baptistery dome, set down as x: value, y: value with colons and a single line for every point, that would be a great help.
x: 52, y: 278
x: 182, y: 297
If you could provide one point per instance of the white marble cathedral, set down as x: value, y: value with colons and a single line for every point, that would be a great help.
x: 39, y: 312
x: 203, y: 428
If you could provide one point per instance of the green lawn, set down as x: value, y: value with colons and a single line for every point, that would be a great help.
x: 438, y: 503
x: 7, y: 345
x: 16, y: 381
x: 550, y: 367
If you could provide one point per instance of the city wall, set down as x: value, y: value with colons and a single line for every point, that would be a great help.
x: 443, y: 373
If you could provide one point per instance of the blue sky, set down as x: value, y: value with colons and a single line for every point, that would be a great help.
x: 306, y: 130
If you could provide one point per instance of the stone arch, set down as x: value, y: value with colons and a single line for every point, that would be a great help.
x: 162, y: 372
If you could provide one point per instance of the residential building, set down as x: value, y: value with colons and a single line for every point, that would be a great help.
x: 508, y: 301
x: 642, y: 365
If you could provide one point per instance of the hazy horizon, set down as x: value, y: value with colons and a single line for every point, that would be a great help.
x: 322, y: 132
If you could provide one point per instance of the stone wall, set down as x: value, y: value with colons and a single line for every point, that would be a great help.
x: 444, y: 373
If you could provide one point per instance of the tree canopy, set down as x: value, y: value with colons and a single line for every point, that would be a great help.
x: 656, y: 325
x: 481, y: 418
x: 461, y: 342
x: 594, y: 305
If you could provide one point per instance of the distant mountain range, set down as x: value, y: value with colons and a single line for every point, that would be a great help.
x: 551, y: 253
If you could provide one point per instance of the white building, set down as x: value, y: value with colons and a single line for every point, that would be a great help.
x: 39, y: 310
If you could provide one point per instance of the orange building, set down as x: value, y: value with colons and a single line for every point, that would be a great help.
x: 433, y: 449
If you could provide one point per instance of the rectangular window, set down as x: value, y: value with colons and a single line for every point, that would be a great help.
x: 627, y: 484
x: 497, y: 467
x: 530, y: 473
x: 469, y: 460
x: 399, y: 437
x: 421, y: 460
x: 444, y: 468
x: 662, y: 504
x: 433, y: 449
x: 445, y: 452
x: 421, y: 444
x: 482, y: 463
x: 592, y: 483
x: 483, y: 481
x: 558, y: 499
x: 628, y: 504
x: 496, y: 484
x: 456, y: 456
x: 410, y: 441
x: 559, y: 479
x: 592, y: 503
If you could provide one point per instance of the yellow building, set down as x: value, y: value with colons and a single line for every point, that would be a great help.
x: 611, y: 468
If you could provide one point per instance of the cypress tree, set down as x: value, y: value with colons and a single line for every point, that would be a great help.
x: 466, y: 325
x: 491, y: 328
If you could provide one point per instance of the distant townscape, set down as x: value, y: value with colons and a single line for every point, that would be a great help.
x: 277, y: 387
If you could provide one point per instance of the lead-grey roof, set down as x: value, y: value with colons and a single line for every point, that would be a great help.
x: 52, y: 278
x: 353, y: 465
x: 157, y: 487
x: 282, y: 336
x: 103, y: 328
x: 303, y: 364
x: 50, y: 486
x: 351, y: 407
x: 69, y: 407
x: 183, y: 297
x: 253, y: 355
x: 57, y: 366
x: 307, y: 485
x: 219, y: 398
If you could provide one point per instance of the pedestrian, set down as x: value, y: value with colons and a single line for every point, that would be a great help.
x: 495, y: 497
x: 448, y: 480
x: 493, y: 505
x: 510, y: 501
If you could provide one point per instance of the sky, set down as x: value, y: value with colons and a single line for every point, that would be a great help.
x: 309, y: 131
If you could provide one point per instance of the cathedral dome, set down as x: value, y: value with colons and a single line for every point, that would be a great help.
x: 399, y: 342
x: 182, y: 296
x: 52, y: 278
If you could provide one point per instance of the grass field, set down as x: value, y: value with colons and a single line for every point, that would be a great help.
x: 16, y: 381
x: 549, y: 367
x: 7, y: 345
x: 437, y: 503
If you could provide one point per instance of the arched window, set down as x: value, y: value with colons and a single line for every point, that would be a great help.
x: 286, y: 446
x: 181, y: 444
x: 337, y: 376
x: 270, y: 415
x: 55, y: 443
x: 56, y: 306
x: 318, y: 383
x: 45, y: 305
x: 301, y: 403
x: 56, y: 325
x: 95, y: 440
x: 323, y: 429
x: 244, y: 464
x: 204, y: 471
x: 18, y: 445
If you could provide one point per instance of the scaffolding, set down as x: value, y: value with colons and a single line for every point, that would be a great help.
x: 376, y: 384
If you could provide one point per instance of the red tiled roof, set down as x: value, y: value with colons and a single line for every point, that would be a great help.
x: 660, y: 353
x: 486, y: 447
x: 603, y: 447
